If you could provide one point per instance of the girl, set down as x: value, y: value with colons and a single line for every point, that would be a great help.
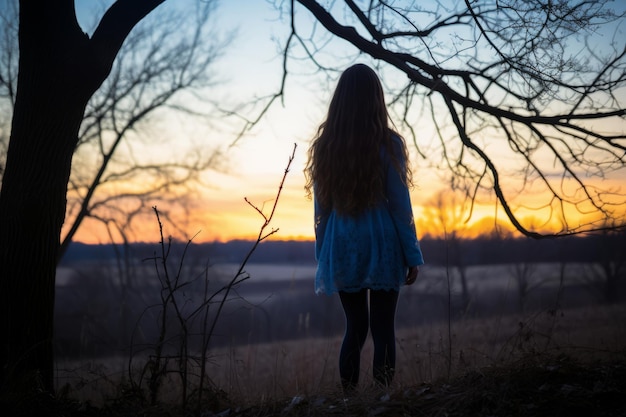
x: 366, y: 245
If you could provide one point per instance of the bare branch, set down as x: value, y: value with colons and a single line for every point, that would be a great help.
x: 515, y: 75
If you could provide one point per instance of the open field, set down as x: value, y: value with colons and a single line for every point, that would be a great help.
x: 278, y: 343
x: 97, y: 315
x: 289, y: 368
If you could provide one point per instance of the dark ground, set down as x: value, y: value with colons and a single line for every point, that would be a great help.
x: 558, y: 387
x: 554, y: 386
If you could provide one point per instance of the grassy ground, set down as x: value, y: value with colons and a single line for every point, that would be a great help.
x: 532, y: 386
x: 551, y: 363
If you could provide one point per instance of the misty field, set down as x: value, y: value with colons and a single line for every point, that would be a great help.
x: 277, y: 339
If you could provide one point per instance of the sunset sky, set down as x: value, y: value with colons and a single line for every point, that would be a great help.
x: 253, y: 167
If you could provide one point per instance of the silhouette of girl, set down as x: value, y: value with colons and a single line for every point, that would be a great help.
x: 366, y: 245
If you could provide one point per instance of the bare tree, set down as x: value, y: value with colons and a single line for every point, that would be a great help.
x: 159, y: 71
x: 607, y: 276
x: 523, y: 273
x: 60, y: 69
x: 448, y: 213
x: 521, y: 96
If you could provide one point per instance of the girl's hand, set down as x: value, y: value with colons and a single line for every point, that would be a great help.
x: 412, y: 275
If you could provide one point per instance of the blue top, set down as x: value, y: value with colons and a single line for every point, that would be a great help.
x: 372, y: 250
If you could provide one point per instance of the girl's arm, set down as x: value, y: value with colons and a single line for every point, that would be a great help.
x: 399, y: 203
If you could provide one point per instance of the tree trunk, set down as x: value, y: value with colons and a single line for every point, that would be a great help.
x: 49, y: 106
x: 59, y: 70
x: 32, y: 209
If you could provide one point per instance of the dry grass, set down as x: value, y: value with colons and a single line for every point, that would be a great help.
x: 304, y: 367
x: 543, y: 364
x: 533, y: 387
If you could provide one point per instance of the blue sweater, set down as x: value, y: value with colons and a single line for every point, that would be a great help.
x: 372, y: 250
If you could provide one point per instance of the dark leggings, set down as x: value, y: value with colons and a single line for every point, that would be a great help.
x: 379, y: 317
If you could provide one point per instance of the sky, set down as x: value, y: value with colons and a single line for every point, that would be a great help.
x: 253, y: 166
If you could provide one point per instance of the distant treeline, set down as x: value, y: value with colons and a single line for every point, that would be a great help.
x: 480, y: 251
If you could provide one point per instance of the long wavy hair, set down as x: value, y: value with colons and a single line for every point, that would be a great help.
x: 344, y: 163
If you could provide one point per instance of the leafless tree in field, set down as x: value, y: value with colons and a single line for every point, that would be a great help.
x: 523, y: 273
x: 607, y: 276
x: 448, y: 214
x: 156, y: 82
x: 52, y: 85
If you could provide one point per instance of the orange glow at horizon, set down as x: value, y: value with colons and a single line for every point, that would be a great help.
x: 224, y: 215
